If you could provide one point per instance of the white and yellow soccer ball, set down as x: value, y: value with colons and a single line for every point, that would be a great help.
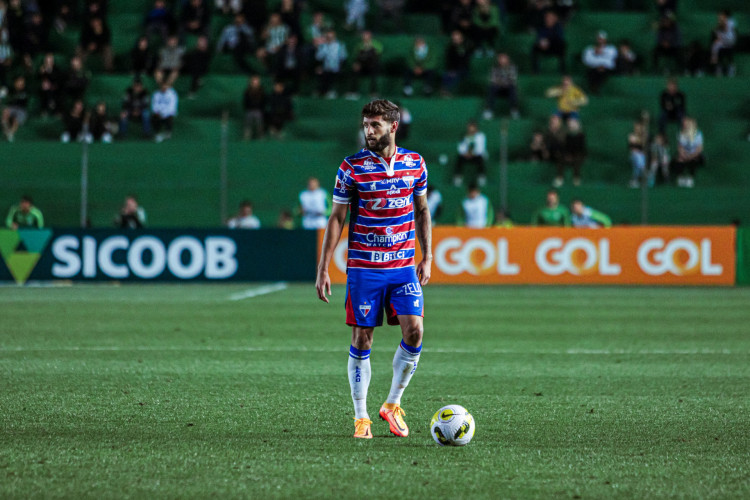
x: 452, y: 425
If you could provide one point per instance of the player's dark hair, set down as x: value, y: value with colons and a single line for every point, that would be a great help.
x: 382, y: 107
x: 246, y: 203
x: 27, y: 198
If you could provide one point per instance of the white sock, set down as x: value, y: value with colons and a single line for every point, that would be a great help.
x: 359, y: 379
x: 404, y: 365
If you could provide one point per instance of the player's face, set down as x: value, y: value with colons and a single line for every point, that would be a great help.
x: 377, y: 133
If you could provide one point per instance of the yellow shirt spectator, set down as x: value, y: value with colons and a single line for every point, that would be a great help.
x: 569, y: 97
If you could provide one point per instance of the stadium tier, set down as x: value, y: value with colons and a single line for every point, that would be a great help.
x: 178, y: 181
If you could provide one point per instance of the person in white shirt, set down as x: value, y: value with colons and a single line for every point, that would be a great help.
x: 477, y: 209
x: 434, y: 202
x: 163, y: 110
x: 723, y: 40
x: 601, y: 60
x: 244, y: 218
x: 471, y: 149
x: 314, y: 205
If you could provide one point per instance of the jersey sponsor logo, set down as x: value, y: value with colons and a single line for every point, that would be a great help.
x: 368, y: 165
x: 408, y: 160
x: 385, y: 240
x: 387, y: 203
x: 394, y: 190
x: 365, y: 309
x: 373, y: 186
x: 393, y: 180
x: 388, y: 256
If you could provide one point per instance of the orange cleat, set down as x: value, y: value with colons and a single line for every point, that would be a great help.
x: 394, y: 415
x: 362, y: 428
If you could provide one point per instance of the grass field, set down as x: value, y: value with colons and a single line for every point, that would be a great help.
x: 180, y: 392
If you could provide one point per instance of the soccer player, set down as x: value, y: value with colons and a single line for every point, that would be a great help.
x: 386, y: 188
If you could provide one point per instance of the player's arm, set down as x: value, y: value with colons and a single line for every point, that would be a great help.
x: 423, y: 223
x: 332, y: 236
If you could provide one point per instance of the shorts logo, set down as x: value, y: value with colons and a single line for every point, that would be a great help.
x: 412, y: 289
x: 416, y: 303
x: 365, y: 309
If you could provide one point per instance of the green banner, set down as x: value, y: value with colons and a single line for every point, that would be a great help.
x: 157, y: 255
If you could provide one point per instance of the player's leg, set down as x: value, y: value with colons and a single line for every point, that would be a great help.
x: 363, y: 313
x: 405, y: 307
x: 405, y: 363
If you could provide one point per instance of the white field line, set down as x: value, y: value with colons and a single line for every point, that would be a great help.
x: 561, y: 352
x: 263, y: 290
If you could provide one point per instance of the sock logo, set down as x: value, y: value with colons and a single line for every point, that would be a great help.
x: 414, y: 368
x: 357, y: 374
x: 365, y: 309
x: 22, y: 249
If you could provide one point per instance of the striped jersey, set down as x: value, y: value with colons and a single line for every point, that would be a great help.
x: 380, y: 195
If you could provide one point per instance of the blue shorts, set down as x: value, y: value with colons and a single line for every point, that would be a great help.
x: 369, y: 292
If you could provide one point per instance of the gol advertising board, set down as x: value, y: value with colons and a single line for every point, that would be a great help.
x: 156, y: 255
x: 701, y: 255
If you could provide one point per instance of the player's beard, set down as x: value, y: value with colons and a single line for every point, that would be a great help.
x: 379, y: 145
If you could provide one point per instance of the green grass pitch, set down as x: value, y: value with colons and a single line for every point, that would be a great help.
x: 180, y: 392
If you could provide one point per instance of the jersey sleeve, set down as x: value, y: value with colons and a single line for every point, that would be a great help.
x: 420, y: 187
x: 342, y: 191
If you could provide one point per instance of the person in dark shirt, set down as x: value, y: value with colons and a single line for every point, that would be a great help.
x: 131, y: 215
x: 35, y: 36
x: 366, y: 63
x: 142, y: 59
x: 77, y: 79
x: 195, y: 18
x: 457, y: 61
x: 97, y: 38
x: 254, y: 104
x: 159, y: 20
x: 554, y: 142
x: 100, y: 126
x: 280, y: 109
x: 136, y: 107
x: 50, y: 81
x: 196, y: 64
x: 461, y: 17
x: 550, y: 41
x: 673, y: 105
x: 574, y: 152
x: 16, y: 106
x: 290, y: 63
x: 668, y: 43
x: 74, y: 121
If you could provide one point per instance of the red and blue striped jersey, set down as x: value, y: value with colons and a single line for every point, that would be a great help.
x: 381, y: 201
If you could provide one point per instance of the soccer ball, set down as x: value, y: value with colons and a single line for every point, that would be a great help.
x: 452, y: 425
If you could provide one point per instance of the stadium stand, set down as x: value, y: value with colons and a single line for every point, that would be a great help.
x: 178, y: 180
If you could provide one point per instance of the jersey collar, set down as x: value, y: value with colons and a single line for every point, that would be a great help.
x: 389, y: 168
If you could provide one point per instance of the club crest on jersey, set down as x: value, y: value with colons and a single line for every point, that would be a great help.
x: 365, y: 309
x: 409, y: 180
x: 368, y: 165
x: 408, y: 161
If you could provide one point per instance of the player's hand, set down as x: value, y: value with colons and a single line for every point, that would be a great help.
x: 424, y: 271
x: 323, y: 285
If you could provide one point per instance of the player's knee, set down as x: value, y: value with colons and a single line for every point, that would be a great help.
x: 362, y: 338
x: 413, y: 334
